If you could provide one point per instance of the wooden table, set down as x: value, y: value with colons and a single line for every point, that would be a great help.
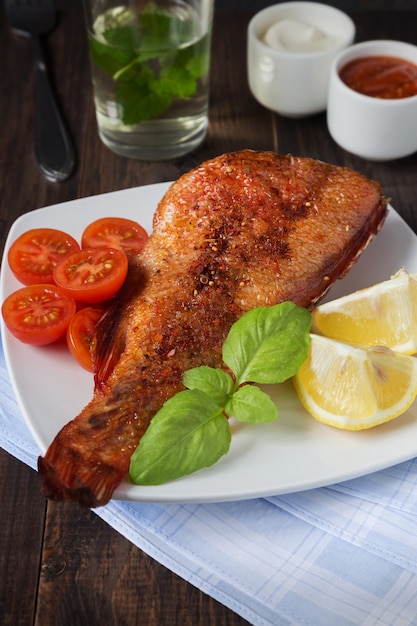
x: 61, y: 565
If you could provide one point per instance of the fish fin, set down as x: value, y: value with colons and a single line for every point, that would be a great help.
x: 109, y: 344
x: 110, y: 339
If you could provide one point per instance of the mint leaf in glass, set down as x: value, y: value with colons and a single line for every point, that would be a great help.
x: 139, y: 96
x: 110, y: 60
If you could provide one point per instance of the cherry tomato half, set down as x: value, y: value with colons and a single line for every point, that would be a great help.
x: 38, y: 314
x: 35, y: 253
x: 92, y: 275
x: 115, y: 232
x: 80, y: 335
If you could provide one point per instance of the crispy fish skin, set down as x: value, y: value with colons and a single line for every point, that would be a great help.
x: 243, y: 230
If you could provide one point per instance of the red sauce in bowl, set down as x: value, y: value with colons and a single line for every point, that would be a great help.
x: 381, y: 77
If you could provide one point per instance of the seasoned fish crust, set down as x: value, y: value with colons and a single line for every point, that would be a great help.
x: 243, y: 230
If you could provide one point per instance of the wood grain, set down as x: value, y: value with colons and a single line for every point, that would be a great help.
x: 22, y: 520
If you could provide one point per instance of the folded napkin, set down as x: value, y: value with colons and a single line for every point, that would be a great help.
x: 337, y: 556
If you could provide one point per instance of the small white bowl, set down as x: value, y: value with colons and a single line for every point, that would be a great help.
x: 372, y: 128
x: 294, y: 83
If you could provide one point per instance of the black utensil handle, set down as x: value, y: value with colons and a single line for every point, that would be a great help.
x: 53, y: 147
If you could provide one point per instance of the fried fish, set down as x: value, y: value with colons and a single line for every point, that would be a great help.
x: 243, y: 230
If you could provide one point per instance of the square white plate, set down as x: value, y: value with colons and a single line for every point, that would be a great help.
x: 294, y: 453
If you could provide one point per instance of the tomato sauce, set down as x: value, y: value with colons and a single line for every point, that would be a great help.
x: 381, y: 77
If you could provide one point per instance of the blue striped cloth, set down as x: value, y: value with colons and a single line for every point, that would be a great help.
x: 343, y: 555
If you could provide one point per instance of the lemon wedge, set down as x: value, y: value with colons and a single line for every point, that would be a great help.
x: 382, y: 315
x: 355, y: 388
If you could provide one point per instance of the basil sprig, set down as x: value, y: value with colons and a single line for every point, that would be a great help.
x: 267, y: 345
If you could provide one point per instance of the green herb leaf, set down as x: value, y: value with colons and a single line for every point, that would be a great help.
x: 268, y: 344
x: 251, y: 404
x: 189, y: 433
x: 110, y: 60
x: 126, y: 36
x: 160, y: 26
x: 138, y: 93
x: 177, y: 82
x: 214, y: 382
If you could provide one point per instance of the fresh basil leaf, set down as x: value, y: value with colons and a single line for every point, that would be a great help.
x: 189, y: 433
x: 214, y: 382
x: 251, y: 404
x: 268, y: 344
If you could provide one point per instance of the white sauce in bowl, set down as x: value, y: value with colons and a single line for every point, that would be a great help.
x: 296, y: 36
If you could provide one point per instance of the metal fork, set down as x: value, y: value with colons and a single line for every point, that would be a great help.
x: 53, y: 147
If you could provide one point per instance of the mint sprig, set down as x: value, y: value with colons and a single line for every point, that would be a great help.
x: 151, y: 61
x: 265, y: 346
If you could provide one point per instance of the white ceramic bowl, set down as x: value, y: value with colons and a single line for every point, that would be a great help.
x: 295, y: 83
x: 373, y: 128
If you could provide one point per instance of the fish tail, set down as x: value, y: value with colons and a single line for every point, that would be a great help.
x: 90, y: 488
x: 72, y: 470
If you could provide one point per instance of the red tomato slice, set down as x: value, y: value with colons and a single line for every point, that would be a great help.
x: 80, y: 335
x: 33, y: 256
x: 115, y: 232
x: 92, y: 275
x: 38, y: 314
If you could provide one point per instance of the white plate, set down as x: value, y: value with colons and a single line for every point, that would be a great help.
x: 294, y: 453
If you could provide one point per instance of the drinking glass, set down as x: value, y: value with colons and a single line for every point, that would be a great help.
x: 150, y: 64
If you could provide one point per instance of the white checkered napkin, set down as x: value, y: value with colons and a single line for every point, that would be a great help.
x: 381, y: 530
x: 395, y: 487
x: 15, y: 437
x: 320, y: 558
x: 271, y: 566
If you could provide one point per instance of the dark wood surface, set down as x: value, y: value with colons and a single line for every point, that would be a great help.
x: 60, y: 565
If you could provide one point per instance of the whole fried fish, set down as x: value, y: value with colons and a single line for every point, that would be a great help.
x: 243, y: 230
